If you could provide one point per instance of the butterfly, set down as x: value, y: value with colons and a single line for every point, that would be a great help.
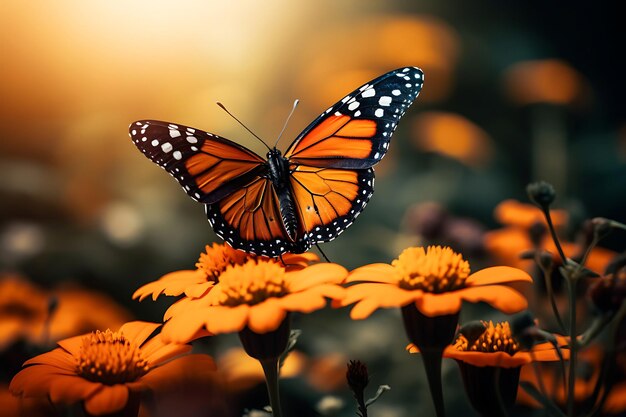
x: 287, y: 202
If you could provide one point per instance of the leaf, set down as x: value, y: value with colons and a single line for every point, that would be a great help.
x: 291, y: 343
x: 381, y: 390
x: 552, y: 409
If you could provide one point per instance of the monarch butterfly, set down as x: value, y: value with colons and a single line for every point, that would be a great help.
x: 289, y: 202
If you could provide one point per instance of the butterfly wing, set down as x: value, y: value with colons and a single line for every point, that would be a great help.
x: 355, y: 132
x: 249, y: 219
x: 332, y: 178
x: 207, y: 166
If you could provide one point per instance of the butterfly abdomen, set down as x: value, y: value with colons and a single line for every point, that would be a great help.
x: 279, y: 175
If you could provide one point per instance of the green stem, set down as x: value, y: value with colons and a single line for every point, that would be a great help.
x: 572, y: 281
x: 432, y: 364
x: 270, y: 368
x: 547, y: 275
x: 546, y: 213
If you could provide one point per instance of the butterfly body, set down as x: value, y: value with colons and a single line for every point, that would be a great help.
x: 287, y: 202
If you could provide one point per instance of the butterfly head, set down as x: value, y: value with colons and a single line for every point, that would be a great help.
x: 274, y: 154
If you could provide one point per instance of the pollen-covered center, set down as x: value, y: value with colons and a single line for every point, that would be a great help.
x: 252, y: 283
x: 219, y: 257
x: 495, y: 338
x: 108, y: 357
x: 436, y: 269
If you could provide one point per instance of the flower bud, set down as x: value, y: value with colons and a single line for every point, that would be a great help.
x: 357, y: 376
x: 541, y: 193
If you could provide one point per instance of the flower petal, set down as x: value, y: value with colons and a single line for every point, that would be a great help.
x: 380, y: 296
x: 35, y: 381
x: 72, y: 389
x: 501, y: 297
x: 109, y: 399
x: 548, y: 355
x: 72, y: 345
x: 221, y: 319
x: 495, y: 359
x: 57, y: 358
x: 172, y: 284
x: 158, y: 351
x: 379, y: 272
x: 183, y: 327
x: 431, y: 304
x: 198, y: 290
x: 171, y: 374
x: 497, y: 275
x: 138, y: 331
x: 326, y: 273
x: 266, y: 316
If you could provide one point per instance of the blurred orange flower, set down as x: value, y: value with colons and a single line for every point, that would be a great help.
x: 257, y: 295
x: 240, y: 372
x: 435, y: 280
x: 508, y: 243
x: 454, y: 136
x: 23, y: 311
x: 545, y: 81
x: 105, y: 371
x: 40, y: 317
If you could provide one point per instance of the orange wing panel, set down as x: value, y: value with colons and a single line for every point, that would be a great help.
x: 358, y: 128
x: 210, y: 173
x: 253, y: 212
x: 323, y: 194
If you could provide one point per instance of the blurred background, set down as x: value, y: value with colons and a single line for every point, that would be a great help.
x: 514, y: 92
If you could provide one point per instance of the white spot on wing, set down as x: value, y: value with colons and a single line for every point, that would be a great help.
x: 167, y: 147
x: 369, y: 93
x: 384, y: 101
x: 174, y: 133
x: 177, y: 155
x: 379, y: 113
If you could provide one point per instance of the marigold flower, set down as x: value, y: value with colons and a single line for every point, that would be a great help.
x: 491, y: 363
x: 257, y: 295
x: 106, y: 371
x: 212, y: 263
x: 436, y: 280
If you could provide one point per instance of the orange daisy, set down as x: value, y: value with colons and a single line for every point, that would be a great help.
x: 436, y: 280
x: 105, y: 371
x: 212, y: 263
x: 490, y: 364
x: 257, y: 295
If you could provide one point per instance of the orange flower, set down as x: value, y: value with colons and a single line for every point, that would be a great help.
x: 257, y: 295
x: 496, y: 347
x: 490, y: 365
x: 23, y: 311
x: 106, y: 371
x: 436, y: 280
x: 212, y: 263
x: 508, y: 243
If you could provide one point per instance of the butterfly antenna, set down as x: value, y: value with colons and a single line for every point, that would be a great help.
x: 295, y: 104
x: 244, y: 126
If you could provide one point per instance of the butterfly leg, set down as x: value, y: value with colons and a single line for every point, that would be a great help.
x: 322, y: 252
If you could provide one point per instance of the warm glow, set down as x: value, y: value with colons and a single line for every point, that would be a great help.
x: 435, y: 269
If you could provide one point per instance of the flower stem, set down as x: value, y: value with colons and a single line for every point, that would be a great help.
x: 270, y: 368
x: 572, y: 289
x: 432, y: 364
x: 546, y: 213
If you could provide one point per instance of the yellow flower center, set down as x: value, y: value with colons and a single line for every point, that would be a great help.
x: 252, y: 283
x: 436, y: 269
x: 108, y: 357
x: 495, y: 338
x: 219, y: 257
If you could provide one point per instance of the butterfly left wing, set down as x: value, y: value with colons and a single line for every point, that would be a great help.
x: 355, y: 132
x: 207, y: 166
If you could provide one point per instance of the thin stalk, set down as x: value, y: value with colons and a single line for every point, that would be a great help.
x: 432, y: 364
x: 270, y: 368
x: 546, y: 213
x: 547, y: 273
x: 572, y: 284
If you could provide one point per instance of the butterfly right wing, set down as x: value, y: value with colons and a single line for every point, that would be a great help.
x: 207, y: 166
